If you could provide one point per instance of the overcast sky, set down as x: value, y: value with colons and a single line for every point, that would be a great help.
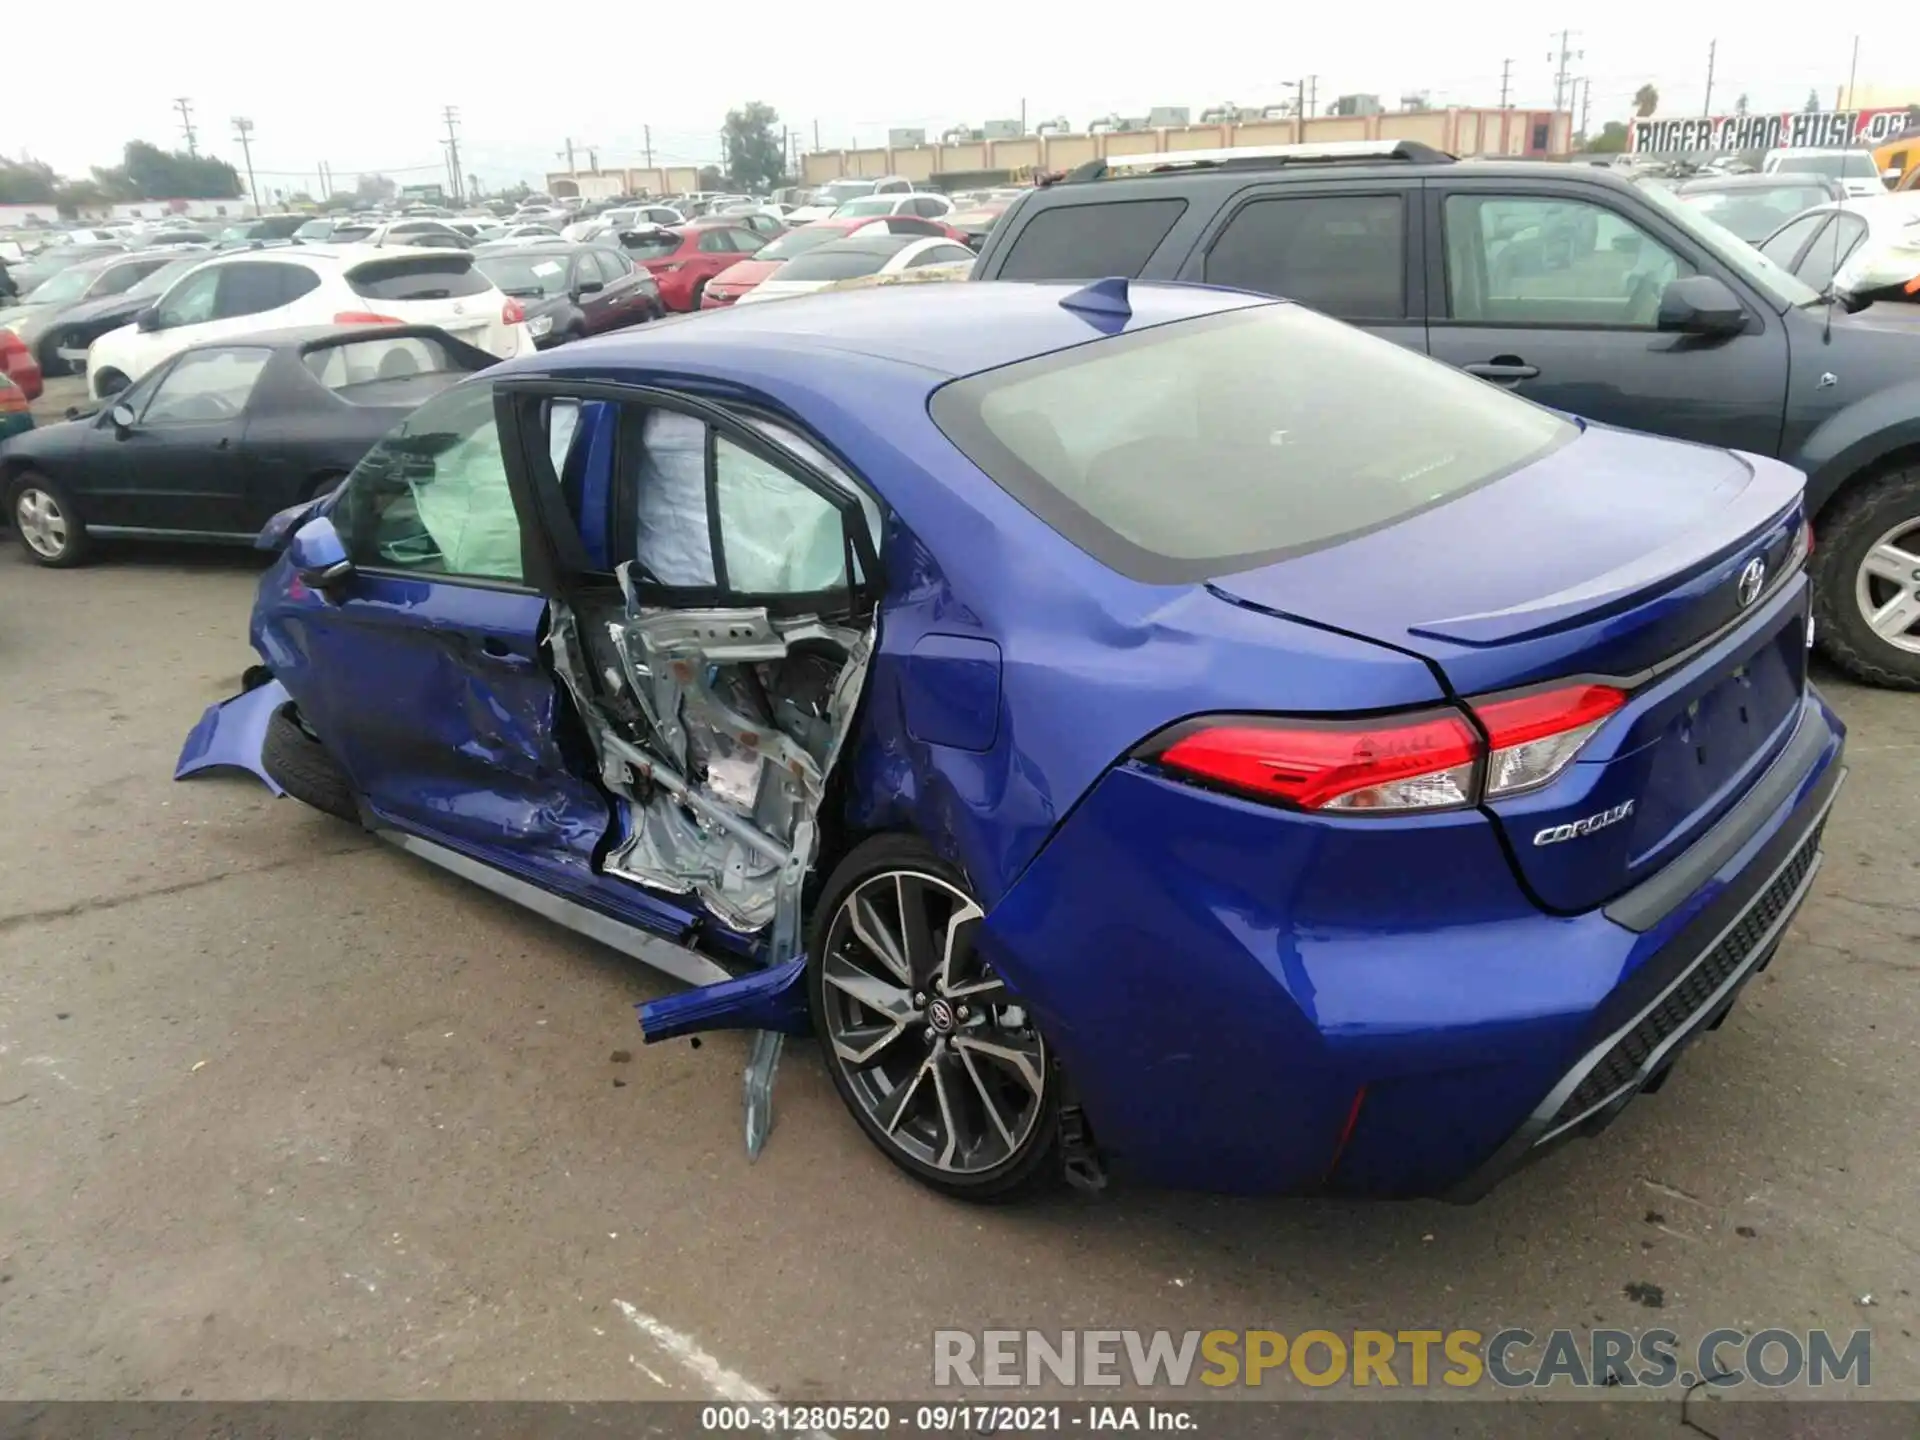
x: 361, y: 84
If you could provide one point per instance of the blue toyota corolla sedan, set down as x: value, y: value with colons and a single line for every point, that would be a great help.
x: 1139, y: 730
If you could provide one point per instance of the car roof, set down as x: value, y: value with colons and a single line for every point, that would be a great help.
x: 882, y: 242
x: 1777, y: 180
x: 938, y: 331
x: 543, y: 247
x: 318, y: 337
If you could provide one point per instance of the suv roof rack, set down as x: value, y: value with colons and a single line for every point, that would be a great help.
x: 1261, y: 157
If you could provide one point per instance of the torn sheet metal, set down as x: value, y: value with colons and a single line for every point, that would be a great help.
x: 230, y: 734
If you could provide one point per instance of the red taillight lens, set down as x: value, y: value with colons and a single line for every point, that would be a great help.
x: 363, y: 317
x: 1416, y: 762
x: 513, y: 312
x: 1532, y: 738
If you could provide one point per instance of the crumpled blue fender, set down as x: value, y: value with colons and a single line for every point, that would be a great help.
x: 231, y: 733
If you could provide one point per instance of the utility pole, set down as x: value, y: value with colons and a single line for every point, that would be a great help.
x: 1023, y: 102
x: 1560, y: 60
x: 1706, y: 107
x: 816, y: 136
x: 1586, y: 102
x: 1853, y: 69
x: 1313, y: 94
x: 568, y: 152
x: 185, y: 106
x: 243, y: 132
x: 647, y: 131
x: 451, y: 115
x: 1506, y: 83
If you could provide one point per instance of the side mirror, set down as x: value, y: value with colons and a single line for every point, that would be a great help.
x: 122, y: 417
x: 318, y: 556
x: 590, y: 287
x: 148, y: 319
x: 1701, y: 305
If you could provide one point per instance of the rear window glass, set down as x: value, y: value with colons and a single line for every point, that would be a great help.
x: 797, y: 242
x: 826, y: 264
x: 1210, y: 446
x: 418, y: 277
x: 342, y: 367
x: 1090, y: 242
x: 650, y: 247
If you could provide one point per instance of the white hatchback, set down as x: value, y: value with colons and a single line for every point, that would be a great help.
x: 248, y: 291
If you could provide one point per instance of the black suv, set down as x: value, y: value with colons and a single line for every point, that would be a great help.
x: 1596, y: 295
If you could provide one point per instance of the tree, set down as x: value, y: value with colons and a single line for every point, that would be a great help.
x: 1646, y: 100
x: 74, y: 196
x: 146, y: 172
x: 1740, y: 105
x: 28, y: 183
x: 1813, y: 102
x: 1611, y: 140
x: 710, y: 177
x: 374, y: 187
x: 755, y: 157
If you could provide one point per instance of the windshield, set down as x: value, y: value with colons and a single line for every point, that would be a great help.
x: 314, y: 230
x: 1159, y: 453
x: 1845, y: 165
x: 1753, y: 212
x: 841, y: 191
x: 68, y: 284
x: 160, y: 279
x: 871, y: 205
x: 527, y: 275
x: 1765, y: 276
x: 798, y: 242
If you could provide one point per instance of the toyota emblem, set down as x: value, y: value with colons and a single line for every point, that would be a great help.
x: 1753, y: 579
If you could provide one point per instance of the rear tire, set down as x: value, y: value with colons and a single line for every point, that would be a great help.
x: 947, y: 1075
x: 1871, y: 522
x: 699, y: 294
x: 301, y: 766
x: 46, y: 522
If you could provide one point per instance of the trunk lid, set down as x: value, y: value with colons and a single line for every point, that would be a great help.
x: 436, y: 287
x: 1621, y: 557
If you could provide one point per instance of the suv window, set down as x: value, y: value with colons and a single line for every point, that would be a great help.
x: 250, y: 287
x: 432, y: 496
x: 1539, y: 260
x: 418, y: 277
x: 206, y: 385
x: 1269, y: 416
x: 1090, y: 242
x: 1344, y: 254
x: 1830, y: 252
x: 191, y: 301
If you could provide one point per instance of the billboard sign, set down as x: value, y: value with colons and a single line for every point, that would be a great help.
x: 1827, y: 129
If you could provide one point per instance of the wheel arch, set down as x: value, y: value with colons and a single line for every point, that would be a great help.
x: 1864, y: 471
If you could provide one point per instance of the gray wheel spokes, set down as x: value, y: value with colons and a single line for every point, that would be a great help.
x: 873, y: 933
x: 961, y: 972
x: 1887, y: 587
x: 1023, y: 1058
x: 41, y: 523
x: 894, y: 1110
x: 949, y: 1119
x: 1889, y: 561
x: 985, y: 1092
x: 922, y: 955
x: 1897, y: 616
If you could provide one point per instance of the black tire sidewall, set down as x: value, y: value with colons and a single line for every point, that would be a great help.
x: 301, y: 766
x: 1842, y: 538
x: 1038, y: 1165
x: 79, y: 544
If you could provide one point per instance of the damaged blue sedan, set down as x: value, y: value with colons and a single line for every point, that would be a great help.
x: 1138, y: 729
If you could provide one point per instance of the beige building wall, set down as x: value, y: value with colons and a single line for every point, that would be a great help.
x: 1068, y: 152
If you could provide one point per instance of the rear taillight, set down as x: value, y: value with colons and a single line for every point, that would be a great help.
x: 1532, y: 738
x: 363, y: 317
x: 1416, y: 762
x: 513, y: 312
x: 1430, y: 760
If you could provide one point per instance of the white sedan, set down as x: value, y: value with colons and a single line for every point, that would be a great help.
x: 1861, y: 248
x: 922, y: 203
x: 868, y: 253
x: 243, y: 292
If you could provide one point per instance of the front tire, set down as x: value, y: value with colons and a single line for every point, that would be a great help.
x: 939, y: 1063
x: 47, y: 522
x: 1866, y: 596
x: 301, y: 766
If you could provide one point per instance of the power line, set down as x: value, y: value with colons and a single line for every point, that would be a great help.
x: 243, y: 132
x: 185, y: 106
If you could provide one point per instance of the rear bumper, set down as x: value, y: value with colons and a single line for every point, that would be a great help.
x: 1252, y: 1000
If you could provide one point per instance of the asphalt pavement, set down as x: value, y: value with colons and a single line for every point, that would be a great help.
x: 285, y: 1113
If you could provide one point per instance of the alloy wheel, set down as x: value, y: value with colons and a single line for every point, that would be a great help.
x: 1887, y: 587
x: 946, y: 1065
x: 41, y: 523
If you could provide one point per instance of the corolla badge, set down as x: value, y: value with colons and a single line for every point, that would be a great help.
x: 1753, y: 579
x: 1574, y: 829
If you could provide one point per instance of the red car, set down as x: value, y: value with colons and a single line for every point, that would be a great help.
x: 683, y: 258
x: 18, y: 365
x: 730, y: 284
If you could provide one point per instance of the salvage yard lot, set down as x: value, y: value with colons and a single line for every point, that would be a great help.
x: 286, y: 1113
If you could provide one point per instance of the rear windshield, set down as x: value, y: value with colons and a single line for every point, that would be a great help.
x: 797, y: 242
x: 530, y: 277
x: 1209, y: 446
x: 1755, y: 212
x: 649, y: 247
x: 418, y: 277
x: 347, y: 369
x: 1847, y: 165
x: 314, y: 230
x: 839, y: 264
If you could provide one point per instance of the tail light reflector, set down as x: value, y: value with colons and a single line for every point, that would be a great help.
x: 513, y: 312
x: 1413, y: 762
x: 363, y: 317
x: 1532, y: 738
